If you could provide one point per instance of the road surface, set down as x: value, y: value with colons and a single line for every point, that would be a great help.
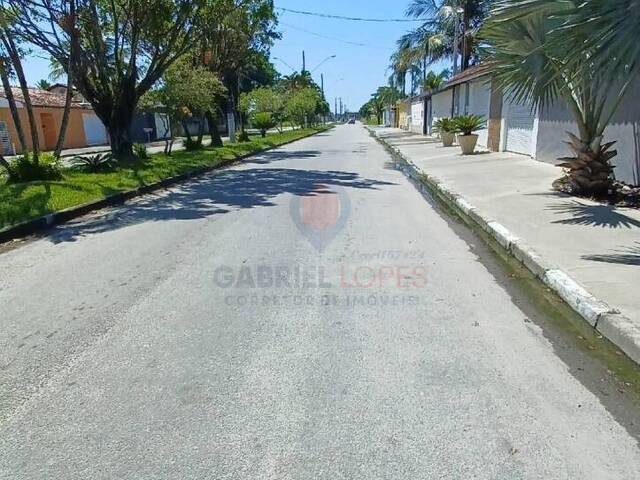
x: 305, y: 315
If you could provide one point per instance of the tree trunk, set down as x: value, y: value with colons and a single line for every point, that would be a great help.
x: 216, y: 139
x: 17, y: 66
x: 589, y: 172
x: 186, y: 132
x: 13, y: 108
x: 69, y: 94
x: 65, y: 117
x: 201, y: 130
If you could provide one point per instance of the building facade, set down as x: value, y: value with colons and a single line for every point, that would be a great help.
x: 539, y: 133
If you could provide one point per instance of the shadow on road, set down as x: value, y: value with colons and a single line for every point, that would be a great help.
x: 277, y: 155
x: 214, y: 195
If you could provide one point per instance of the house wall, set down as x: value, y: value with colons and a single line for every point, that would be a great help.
x: 624, y: 130
x: 403, y: 114
x: 477, y: 101
x: 74, y: 138
x: 441, y: 105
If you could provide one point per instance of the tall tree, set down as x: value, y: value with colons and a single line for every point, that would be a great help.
x: 13, y: 56
x: 122, y: 48
x: 435, y: 37
x: 234, y: 32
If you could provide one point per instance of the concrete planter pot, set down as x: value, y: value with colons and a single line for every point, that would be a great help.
x: 447, y: 138
x: 468, y: 143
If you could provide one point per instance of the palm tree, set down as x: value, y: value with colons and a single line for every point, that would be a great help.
x: 547, y: 53
x: 434, y: 81
x: 614, y: 37
x: 435, y: 37
x: 43, y: 84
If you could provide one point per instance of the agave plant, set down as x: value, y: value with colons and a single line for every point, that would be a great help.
x: 467, y: 124
x: 544, y: 51
x: 94, y: 163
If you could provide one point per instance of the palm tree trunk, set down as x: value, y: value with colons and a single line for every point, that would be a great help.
x: 65, y: 117
x: 13, y: 108
x: 69, y: 94
x: 17, y: 65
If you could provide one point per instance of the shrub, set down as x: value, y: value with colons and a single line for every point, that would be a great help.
x: 243, y: 136
x: 94, y: 163
x: 190, y: 145
x: 263, y: 121
x: 23, y: 169
x: 467, y: 124
x: 444, y: 125
x: 140, y: 150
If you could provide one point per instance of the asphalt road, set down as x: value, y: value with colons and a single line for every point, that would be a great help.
x: 305, y: 315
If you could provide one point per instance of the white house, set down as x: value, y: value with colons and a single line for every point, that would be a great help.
x: 540, y: 134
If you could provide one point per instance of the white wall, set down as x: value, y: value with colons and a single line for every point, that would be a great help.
x: 417, y: 116
x: 554, y: 122
x: 477, y: 102
x: 441, y: 105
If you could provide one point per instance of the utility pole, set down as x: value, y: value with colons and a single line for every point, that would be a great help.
x: 304, y: 62
x: 335, y: 108
x: 322, y: 84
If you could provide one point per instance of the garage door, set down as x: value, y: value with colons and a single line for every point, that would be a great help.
x: 520, y: 128
x: 94, y: 130
x: 441, y: 105
x: 478, y: 104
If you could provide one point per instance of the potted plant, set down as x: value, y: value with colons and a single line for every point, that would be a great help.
x: 446, y: 129
x: 465, y: 125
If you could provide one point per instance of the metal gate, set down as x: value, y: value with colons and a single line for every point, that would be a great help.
x: 520, y: 124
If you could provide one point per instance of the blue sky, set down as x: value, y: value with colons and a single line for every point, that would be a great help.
x: 356, y: 71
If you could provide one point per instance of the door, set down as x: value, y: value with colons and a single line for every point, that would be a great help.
x: 6, y: 148
x: 520, y: 126
x: 163, y: 130
x: 49, y: 130
x: 94, y: 131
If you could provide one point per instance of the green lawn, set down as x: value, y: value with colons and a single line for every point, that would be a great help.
x: 25, y: 201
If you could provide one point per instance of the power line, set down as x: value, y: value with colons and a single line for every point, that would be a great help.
x: 353, y: 19
x: 357, y: 44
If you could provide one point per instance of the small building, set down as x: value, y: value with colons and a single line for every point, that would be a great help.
x: 84, y: 127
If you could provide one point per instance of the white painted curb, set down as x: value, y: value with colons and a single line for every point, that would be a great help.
x: 620, y: 330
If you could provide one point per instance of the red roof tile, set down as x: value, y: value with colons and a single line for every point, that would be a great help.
x: 44, y: 98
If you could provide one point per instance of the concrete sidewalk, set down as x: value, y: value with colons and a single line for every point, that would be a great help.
x: 597, y: 245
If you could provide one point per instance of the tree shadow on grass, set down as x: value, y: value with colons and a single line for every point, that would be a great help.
x: 214, y: 195
x: 32, y: 205
x: 593, y: 215
x: 624, y: 256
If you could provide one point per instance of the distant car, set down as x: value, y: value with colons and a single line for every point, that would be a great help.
x: 351, y: 121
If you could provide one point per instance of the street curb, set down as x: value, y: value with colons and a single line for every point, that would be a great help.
x: 45, y: 222
x: 620, y: 330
